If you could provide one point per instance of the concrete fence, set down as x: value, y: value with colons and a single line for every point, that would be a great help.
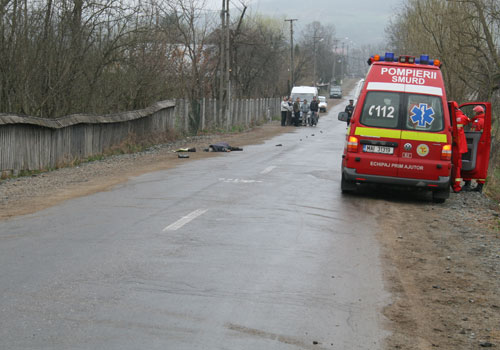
x: 29, y: 143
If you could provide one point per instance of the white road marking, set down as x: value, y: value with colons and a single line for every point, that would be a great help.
x: 184, y: 220
x: 238, y: 181
x: 268, y: 169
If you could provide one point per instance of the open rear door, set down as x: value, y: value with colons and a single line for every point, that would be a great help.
x: 475, y: 162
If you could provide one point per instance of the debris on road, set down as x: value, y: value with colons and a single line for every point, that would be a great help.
x: 193, y: 149
x: 222, y: 147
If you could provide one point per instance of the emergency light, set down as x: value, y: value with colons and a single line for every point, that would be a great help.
x: 424, y: 59
x: 389, y: 57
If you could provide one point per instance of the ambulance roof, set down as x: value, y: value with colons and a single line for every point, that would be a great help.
x: 403, y: 74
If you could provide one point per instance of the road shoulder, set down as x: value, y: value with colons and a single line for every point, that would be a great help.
x: 441, y: 266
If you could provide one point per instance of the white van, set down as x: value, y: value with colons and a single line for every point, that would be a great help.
x: 304, y: 92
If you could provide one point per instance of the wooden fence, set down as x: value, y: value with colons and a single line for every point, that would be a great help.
x: 29, y: 143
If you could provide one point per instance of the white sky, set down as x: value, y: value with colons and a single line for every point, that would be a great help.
x: 361, y: 21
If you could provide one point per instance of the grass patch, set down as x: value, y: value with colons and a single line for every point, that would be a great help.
x: 493, y: 184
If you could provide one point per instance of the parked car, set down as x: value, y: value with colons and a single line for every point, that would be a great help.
x: 323, y: 105
x: 336, y: 92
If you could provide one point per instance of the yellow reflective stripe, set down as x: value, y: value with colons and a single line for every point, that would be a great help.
x: 399, y: 134
x: 375, y: 132
x: 423, y: 136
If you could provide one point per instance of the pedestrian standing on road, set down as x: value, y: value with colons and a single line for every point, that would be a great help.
x: 304, y: 108
x: 296, y: 111
x: 314, y: 107
x: 290, y: 109
x: 284, y: 110
x: 349, y: 109
x: 459, y: 146
x: 476, y: 125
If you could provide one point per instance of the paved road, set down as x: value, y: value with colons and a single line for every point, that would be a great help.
x: 249, y: 250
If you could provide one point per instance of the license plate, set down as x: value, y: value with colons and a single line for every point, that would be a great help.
x: 378, y: 149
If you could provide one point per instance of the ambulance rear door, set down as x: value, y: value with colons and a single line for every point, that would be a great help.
x: 475, y: 162
x: 424, y: 133
x: 379, y: 133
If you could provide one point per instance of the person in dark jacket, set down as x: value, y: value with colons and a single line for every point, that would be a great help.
x: 314, y: 107
x: 296, y: 112
x: 290, y: 111
x: 349, y: 109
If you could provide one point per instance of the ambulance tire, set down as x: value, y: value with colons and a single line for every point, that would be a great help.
x: 440, y: 196
x: 347, y: 186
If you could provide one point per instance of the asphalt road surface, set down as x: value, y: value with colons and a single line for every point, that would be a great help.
x: 250, y: 250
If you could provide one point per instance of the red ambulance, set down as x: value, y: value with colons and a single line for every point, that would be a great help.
x: 401, y: 128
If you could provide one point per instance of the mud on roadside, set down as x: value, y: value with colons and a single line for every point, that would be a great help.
x: 442, y: 265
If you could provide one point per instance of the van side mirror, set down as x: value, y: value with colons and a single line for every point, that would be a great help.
x: 343, y: 116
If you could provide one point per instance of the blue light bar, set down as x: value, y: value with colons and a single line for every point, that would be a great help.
x: 389, y: 57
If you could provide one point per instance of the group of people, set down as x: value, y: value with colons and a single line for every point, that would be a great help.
x: 476, y: 123
x: 292, y: 110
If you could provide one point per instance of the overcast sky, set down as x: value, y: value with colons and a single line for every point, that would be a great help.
x: 362, y: 21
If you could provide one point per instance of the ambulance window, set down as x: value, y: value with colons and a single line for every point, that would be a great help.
x: 381, y: 109
x: 424, y: 112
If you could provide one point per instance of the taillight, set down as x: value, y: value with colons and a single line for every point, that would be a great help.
x: 352, y: 144
x: 446, y: 152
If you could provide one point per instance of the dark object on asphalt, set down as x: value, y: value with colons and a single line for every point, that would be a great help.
x: 312, y: 134
x: 223, y: 147
x: 279, y: 145
x: 180, y: 155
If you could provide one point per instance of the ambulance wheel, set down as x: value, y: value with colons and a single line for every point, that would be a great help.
x: 438, y: 200
x: 440, y: 196
x: 347, y: 186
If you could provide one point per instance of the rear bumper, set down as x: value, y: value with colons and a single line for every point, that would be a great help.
x: 443, y: 182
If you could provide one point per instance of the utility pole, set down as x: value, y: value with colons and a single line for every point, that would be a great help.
x: 315, y: 57
x: 228, y: 68
x: 342, y: 67
x: 335, y: 41
x: 347, y: 60
x: 225, y: 66
x: 292, y: 67
x: 222, y: 71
